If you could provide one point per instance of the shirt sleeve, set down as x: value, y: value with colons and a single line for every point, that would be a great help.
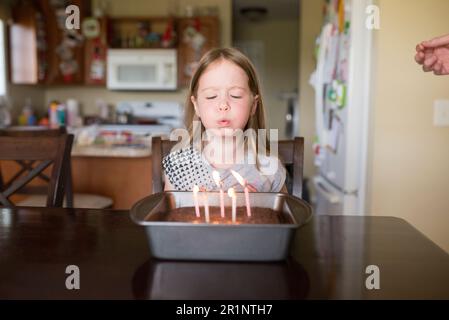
x: 279, y: 178
x: 275, y: 172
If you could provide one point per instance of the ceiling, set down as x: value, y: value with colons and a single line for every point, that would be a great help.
x: 276, y: 9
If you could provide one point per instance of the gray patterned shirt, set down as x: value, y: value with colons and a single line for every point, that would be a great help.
x: 187, y: 167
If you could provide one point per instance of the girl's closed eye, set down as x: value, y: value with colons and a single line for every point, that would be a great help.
x: 210, y: 98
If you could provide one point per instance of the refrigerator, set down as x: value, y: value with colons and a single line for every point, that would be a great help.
x: 342, y: 107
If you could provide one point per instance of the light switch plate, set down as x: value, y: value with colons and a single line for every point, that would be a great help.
x: 441, y: 113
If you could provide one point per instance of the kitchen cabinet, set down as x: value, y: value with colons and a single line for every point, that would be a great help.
x: 95, y: 49
x: 142, y: 32
x: 125, y: 180
x: 42, y: 49
x: 197, y: 35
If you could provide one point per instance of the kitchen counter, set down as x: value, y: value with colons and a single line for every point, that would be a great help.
x: 329, y: 259
x: 109, y: 151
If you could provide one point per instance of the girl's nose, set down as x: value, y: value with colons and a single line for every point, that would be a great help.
x: 224, y: 107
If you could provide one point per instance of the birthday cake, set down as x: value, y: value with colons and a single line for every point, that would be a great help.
x: 258, y: 216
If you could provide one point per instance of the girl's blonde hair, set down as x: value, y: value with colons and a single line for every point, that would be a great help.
x: 256, y: 121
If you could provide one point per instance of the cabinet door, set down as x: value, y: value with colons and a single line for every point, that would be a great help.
x: 41, y: 48
x: 95, y: 53
x: 65, y: 47
x: 196, y: 35
x: 23, y: 56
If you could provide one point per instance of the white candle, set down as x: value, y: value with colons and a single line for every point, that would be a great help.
x: 244, y: 183
x: 195, y: 200
x: 231, y: 194
x: 248, y: 207
x: 219, y: 184
x: 206, y: 207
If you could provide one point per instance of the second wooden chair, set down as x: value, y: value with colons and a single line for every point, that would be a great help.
x: 37, y: 153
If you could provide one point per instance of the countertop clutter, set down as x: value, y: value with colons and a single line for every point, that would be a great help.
x: 111, y: 141
x: 137, y: 123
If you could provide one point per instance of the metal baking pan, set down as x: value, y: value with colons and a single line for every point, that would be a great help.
x: 221, y: 242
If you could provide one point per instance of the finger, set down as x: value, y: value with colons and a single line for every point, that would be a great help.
x: 419, y: 57
x: 428, y: 55
x: 436, y: 42
x: 420, y: 47
x: 430, y: 61
x: 437, y: 68
x: 426, y: 69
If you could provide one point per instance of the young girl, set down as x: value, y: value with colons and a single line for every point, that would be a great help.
x: 225, y: 97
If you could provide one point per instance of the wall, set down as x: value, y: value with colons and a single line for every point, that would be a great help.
x: 410, y: 157
x: 278, y: 71
x: 311, y: 18
x: 89, y: 95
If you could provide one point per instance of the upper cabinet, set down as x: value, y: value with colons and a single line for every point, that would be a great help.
x: 42, y: 49
x: 197, y: 35
x: 95, y: 50
x: 142, y: 32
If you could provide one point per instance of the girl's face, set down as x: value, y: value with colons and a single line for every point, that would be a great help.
x: 224, y: 99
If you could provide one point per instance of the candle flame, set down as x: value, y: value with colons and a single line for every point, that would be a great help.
x: 239, y: 178
x: 216, y: 176
x: 231, y: 192
x: 195, y: 189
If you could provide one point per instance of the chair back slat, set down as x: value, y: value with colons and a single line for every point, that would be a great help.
x: 19, y: 183
x: 28, y: 150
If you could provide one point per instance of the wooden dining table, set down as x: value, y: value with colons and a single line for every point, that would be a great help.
x: 331, y: 257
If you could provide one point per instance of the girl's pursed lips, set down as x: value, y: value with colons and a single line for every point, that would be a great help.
x: 224, y: 122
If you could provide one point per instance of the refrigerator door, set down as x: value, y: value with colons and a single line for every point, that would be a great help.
x: 343, y: 158
x: 329, y: 200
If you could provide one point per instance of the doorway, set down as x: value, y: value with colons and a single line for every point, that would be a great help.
x: 268, y: 33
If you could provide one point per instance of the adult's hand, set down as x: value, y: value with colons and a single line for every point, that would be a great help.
x: 433, y: 55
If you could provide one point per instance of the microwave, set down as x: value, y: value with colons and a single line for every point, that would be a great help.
x: 142, y: 69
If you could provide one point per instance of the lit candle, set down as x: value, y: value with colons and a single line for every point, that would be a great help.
x: 219, y: 184
x: 195, y: 200
x: 231, y: 194
x: 206, y: 206
x: 244, y: 183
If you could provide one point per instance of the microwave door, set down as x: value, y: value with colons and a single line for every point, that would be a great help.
x: 142, y: 70
x: 135, y: 74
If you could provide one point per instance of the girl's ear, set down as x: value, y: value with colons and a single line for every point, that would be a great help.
x: 255, y: 104
x: 193, y: 99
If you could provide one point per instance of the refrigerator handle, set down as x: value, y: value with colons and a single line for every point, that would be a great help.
x: 321, y: 188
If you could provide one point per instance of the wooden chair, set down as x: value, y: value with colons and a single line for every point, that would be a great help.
x: 36, y: 154
x: 291, y: 154
x: 36, y: 199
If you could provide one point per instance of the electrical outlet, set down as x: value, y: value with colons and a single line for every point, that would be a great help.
x: 441, y: 113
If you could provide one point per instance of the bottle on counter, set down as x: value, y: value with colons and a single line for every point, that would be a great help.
x: 5, y: 115
x: 27, y: 116
x: 53, y: 114
x: 73, y: 113
x: 61, y: 114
